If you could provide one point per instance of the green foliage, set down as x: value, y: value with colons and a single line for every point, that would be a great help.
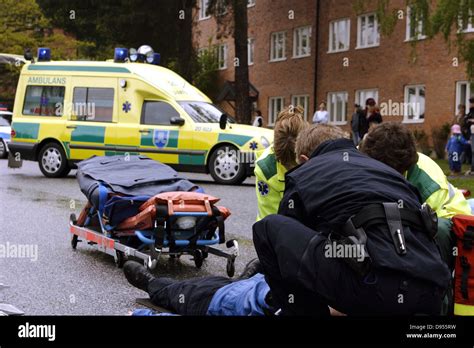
x: 206, y: 76
x: 443, y: 17
x: 422, y: 142
x: 440, y: 137
x: 23, y: 25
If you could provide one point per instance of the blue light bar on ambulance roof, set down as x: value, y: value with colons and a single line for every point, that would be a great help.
x: 156, y: 59
x: 44, y: 54
x: 121, y: 54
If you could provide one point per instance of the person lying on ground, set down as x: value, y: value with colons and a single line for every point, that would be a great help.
x: 275, y: 161
x: 341, y: 240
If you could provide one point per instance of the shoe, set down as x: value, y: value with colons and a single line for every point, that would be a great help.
x: 251, y: 269
x: 137, y: 275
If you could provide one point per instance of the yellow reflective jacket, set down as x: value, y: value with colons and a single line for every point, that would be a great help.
x: 435, y: 189
x: 269, y: 183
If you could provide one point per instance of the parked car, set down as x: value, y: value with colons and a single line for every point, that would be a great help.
x: 5, y: 132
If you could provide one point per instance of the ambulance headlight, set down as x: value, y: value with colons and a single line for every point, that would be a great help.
x: 121, y: 54
x: 44, y: 54
x: 265, y: 142
x: 133, y: 54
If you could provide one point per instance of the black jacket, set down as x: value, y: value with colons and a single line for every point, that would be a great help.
x: 364, y: 122
x: 337, y: 182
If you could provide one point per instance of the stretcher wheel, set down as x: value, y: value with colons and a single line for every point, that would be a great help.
x: 74, y: 241
x: 230, y: 267
x: 120, y: 258
x: 198, y: 258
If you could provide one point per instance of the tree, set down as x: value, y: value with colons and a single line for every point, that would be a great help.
x: 448, y: 18
x: 23, y: 25
x: 166, y: 25
x: 231, y: 16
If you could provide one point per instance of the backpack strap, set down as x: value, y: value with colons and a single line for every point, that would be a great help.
x: 466, y: 268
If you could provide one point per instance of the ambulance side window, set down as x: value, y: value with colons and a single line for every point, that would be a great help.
x: 157, y: 113
x: 43, y: 101
x: 93, y: 104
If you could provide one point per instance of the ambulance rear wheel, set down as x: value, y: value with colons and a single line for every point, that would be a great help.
x: 52, y: 161
x: 226, y: 166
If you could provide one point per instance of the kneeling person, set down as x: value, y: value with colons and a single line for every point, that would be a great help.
x: 393, y: 144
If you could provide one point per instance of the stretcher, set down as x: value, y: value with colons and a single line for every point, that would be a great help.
x: 122, y: 220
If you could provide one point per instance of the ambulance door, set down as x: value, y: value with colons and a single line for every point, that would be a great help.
x: 165, y: 135
x: 93, y: 117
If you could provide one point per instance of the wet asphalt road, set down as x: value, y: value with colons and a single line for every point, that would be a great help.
x: 35, y: 211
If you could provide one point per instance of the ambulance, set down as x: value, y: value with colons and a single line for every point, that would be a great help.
x: 67, y: 111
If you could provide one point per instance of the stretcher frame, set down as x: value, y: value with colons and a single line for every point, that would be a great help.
x: 112, y: 246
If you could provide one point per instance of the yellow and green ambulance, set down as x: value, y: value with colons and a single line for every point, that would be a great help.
x: 67, y: 111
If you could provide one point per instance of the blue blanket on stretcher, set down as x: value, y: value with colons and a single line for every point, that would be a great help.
x: 118, y: 185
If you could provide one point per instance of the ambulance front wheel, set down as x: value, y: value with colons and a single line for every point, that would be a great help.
x: 52, y: 161
x: 226, y: 166
x: 3, y: 149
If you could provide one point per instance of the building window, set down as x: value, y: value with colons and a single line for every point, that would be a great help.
x: 463, y: 94
x: 302, y: 42
x: 303, y: 101
x: 251, y: 50
x: 466, y: 26
x: 339, y: 35
x: 415, y: 26
x: 275, y: 105
x: 414, y: 110
x: 278, y: 46
x: 368, y: 31
x: 337, y: 107
x: 222, y: 56
x: 363, y: 94
x: 251, y: 3
x: 203, y: 6
x: 93, y: 104
x: 43, y: 101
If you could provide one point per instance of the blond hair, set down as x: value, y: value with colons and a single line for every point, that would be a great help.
x: 310, y: 138
x: 289, y: 124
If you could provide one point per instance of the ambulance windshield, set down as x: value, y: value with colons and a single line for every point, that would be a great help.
x: 202, y: 112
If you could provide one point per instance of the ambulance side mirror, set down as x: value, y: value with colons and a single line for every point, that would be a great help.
x: 177, y: 121
x: 223, y: 121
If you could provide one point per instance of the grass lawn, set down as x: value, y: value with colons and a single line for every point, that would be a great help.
x: 464, y: 182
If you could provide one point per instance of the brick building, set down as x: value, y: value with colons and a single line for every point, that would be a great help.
x: 281, y: 52
x: 345, y: 61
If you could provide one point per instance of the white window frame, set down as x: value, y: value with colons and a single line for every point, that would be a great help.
x: 251, y: 3
x: 362, y: 38
x: 416, y: 118
x: 300, y: 51
x: 334, y: 35
x: 469, y: 95
x: 251, y: 50
x: 222, y: 56
x: 273, y: 39
x: 345, y: 96
x: 203, y: 6
x: 361, y: 95
x: 296, y: 100
x: 272, y: 113
x: 419, y: 29
x: 470, y: 25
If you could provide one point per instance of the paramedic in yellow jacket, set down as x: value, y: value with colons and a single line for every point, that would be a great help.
x: 275, y: 161
x: 393, y: 144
